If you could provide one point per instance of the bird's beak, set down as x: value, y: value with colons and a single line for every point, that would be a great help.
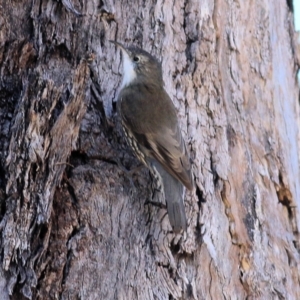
x: 126, y: 53
x: 123, y: 48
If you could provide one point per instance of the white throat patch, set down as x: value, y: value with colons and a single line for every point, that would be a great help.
x: 128, y: 70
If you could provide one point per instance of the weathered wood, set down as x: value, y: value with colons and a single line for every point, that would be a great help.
x: 76, y: 218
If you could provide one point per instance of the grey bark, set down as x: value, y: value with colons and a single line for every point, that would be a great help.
x: 76, y: 222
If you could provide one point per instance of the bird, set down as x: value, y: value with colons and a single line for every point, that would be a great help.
x: 149, y: 121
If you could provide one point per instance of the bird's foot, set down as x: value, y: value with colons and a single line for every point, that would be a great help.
x: 156, y: 203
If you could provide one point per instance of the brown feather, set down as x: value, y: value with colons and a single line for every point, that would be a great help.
x: 158, y: 132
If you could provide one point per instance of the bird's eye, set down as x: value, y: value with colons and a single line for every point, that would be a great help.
x: 136, y: 58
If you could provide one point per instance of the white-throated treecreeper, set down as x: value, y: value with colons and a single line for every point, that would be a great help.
x: 151, y: 127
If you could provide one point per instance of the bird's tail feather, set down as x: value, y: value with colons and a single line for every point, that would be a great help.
x: 173, y: 191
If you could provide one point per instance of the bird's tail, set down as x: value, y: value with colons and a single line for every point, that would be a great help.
x: 173, y: 191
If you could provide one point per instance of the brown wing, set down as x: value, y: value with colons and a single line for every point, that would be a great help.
x: 169, y: 149
x: 153, y: 122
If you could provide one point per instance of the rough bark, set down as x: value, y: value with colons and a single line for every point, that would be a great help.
x: 76, y: 222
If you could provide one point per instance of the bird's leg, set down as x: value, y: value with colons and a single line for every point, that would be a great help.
x: 158, y: 204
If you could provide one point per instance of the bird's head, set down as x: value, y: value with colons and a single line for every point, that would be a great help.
x: 139, y: 67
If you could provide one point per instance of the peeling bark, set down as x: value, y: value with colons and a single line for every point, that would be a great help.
x: 76, y: 213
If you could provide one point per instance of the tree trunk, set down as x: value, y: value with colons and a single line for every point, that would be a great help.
x: 76, y: 215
